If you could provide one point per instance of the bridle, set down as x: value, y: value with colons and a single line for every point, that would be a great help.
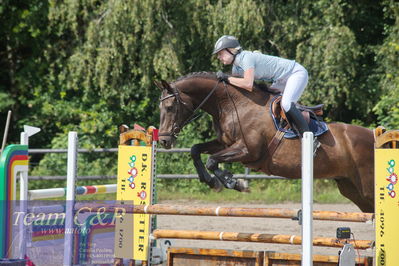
x: 176, y: 128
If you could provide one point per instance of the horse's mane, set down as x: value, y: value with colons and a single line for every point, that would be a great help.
x: 212, y: 75
x: 202, y: 74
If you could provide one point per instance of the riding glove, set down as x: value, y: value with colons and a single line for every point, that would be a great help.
x: 222, y: 76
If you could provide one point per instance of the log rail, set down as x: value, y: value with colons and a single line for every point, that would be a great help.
x: 163, y: 209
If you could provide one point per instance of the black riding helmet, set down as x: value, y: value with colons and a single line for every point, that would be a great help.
x: 226, y: 41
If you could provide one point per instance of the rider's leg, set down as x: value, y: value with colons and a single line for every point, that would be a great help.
x: 297, y: 120
x: 295, y: 85
x: 294, y: 88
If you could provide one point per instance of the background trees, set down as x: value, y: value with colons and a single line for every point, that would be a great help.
x: 89, y: 65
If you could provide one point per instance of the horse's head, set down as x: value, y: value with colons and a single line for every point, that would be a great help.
x: 174, y: 113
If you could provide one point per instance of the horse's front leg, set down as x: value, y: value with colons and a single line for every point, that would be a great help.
x: 207, y: 147
x: 238, y: 152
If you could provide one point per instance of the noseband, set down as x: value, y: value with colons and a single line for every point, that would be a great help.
x: 176, y: 128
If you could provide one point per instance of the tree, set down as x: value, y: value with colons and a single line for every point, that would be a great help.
x: 388, y: 71
x: 23, y: 38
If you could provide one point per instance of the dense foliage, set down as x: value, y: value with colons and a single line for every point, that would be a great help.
x: 89, y: 65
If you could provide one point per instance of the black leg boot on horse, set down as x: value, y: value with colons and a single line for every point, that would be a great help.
x: 299, y: 124
x: 226, y: 178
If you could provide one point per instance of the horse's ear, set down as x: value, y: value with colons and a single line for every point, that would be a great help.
x: 158, y: 84
x: 167, y: 86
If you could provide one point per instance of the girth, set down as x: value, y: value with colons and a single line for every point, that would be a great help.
x: 278, y: 112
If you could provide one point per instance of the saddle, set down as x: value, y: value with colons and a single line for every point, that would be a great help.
x: 307, y: 111
x: 311, y: 114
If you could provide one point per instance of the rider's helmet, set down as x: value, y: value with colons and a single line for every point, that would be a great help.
x: 226, y: 41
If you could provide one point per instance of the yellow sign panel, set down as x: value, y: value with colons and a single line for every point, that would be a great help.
x: 134, y: 187
x: 386, y: 206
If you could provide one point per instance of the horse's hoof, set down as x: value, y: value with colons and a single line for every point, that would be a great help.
x: 242, y: 185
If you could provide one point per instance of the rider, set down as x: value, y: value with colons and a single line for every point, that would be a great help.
x: 287, y: 76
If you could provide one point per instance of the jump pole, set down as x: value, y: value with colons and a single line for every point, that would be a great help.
x: 23, y: 195
x: 259, y: 238
x: 165, y: 209
x: 70, y: 197
x: 307, y: 199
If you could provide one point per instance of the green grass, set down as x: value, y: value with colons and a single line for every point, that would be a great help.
x: 262, y: 192
x: 280, y: 191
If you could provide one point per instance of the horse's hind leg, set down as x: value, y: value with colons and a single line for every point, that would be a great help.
x: 204, y: 176
x: 350, y: 191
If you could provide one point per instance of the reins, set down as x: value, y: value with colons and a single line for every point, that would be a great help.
x: 238, y: 117
x: 176, y: 128
x: 193, y: 115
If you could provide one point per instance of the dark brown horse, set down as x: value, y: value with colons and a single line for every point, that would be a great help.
x: 244, y: 129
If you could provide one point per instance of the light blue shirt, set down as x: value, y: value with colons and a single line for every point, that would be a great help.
x: 267, y: 67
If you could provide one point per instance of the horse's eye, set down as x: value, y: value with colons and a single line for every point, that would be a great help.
x: 169, y: 108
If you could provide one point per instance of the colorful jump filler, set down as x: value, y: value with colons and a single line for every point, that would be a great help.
x: 13, y: 161
x: 386, y: 198
x: 135, y: 186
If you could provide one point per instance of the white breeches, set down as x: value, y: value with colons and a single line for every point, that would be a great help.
x: 292, y: 86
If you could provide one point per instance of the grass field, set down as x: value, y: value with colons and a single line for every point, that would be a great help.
x: 276, y: 191
x: 261, y: 191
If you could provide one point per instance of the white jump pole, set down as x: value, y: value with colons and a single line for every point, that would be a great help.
x: 70, y: 197
x: 23, y: 189
x: 307, y: 199
x: 23, y: 197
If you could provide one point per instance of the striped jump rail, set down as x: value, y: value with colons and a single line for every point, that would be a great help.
x: 261, y: 238
x: 163, y: 209
x: 61, y: 192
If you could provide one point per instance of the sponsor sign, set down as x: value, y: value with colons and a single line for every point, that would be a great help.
x: 134, y: 187
x: 386, y: 206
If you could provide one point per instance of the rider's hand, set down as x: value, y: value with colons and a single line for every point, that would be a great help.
x: 222, y: 76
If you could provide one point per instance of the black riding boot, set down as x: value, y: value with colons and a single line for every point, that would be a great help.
x: 295, y: 118
x: 299, y: 124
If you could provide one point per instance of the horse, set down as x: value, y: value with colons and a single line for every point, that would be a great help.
x: 244, y: 130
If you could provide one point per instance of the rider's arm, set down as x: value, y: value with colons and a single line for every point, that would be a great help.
x: 246, y: 82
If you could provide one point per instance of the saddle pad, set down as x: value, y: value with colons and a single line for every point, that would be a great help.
x: 317, y: 127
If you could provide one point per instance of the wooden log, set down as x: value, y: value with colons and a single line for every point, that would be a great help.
x: 275, y: 258
x: 213, y: 257
x: 162, y: 209
x: 343, y: 216
x: 178, y: 256
x: 257, y: 237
